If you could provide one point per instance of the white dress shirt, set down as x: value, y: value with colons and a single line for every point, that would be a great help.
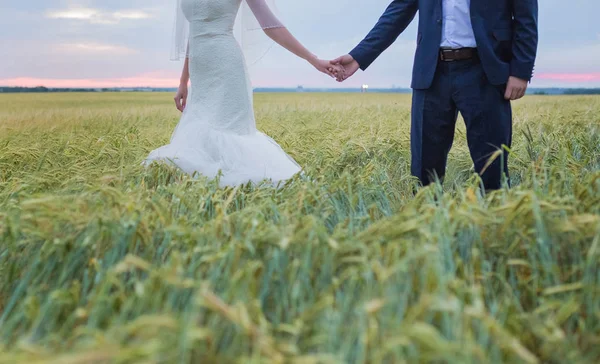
x: 457, y: 30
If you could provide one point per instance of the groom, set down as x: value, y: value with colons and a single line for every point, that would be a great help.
x: 473, y: 57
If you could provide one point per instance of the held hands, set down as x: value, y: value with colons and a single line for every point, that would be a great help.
x: 326, y: 67
x: 348, y: 63
x: 340, y: 68
x: 181, y: 97
x: 515, y: 88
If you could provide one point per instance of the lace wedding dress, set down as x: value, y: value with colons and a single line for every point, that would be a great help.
x: 217, y: 131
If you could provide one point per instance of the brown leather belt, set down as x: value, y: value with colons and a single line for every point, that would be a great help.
x: 460, y: 54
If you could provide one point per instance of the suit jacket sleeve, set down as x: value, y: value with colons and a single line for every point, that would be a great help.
x: 525, y: 39
x: 391, y: 24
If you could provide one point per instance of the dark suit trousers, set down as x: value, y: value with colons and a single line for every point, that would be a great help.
x: 460, y: 86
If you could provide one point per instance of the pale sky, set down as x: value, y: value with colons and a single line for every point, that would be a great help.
x: 106, y: 43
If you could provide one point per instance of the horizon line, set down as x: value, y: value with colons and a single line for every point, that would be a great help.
x: 264, y: 87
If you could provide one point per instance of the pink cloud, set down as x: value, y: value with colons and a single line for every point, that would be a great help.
x: 149, y: 80
x: 171, y: 79
x: 570, y: 77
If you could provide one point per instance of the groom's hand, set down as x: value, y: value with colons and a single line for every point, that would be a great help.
x: 350, y: 65
x: 515, y: 88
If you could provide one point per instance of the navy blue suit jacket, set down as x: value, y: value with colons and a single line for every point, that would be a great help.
x: 505, y: 30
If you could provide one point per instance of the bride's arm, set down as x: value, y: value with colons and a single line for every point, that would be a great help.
x: 285, y: 39
x: 279, y: 33
x: 182, y: 91
x: 185, y: 73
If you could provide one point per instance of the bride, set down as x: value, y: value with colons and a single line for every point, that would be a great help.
x: 217, y: 131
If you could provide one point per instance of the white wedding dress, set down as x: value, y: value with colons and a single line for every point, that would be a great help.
x: 217, y: 131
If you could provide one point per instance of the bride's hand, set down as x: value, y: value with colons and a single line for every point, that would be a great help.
x: 327, y: 68
x: 181, y: 97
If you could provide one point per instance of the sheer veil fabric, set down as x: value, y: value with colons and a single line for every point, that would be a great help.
x: 181, y: 34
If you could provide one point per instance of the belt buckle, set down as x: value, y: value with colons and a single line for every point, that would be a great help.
x: 444, y: 52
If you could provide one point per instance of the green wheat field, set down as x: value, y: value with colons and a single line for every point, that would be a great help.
x: 103, y: 261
